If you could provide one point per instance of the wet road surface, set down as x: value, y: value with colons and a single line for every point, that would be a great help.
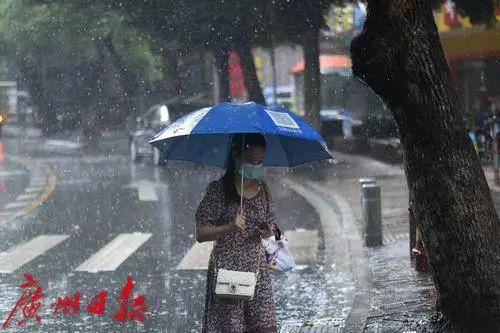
x: 101, y: 224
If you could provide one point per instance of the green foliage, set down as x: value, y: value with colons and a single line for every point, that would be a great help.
x: 69, y: 55
x: 69, y: 51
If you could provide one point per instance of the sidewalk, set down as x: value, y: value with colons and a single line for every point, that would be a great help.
x: 390, y: 296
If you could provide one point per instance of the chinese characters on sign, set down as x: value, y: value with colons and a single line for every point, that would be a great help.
x: 30, y: 301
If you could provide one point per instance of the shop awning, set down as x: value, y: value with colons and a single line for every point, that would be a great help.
x: 328, y: 63
x: 471, y: 43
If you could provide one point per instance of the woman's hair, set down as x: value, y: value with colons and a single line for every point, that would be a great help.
x: 237, y: 140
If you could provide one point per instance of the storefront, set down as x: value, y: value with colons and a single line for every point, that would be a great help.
x: 339, y: 89
x: 473, y: 54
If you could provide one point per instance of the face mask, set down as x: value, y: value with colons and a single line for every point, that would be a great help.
x: 250, y: 171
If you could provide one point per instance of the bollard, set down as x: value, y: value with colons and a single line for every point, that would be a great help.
x: 372, y: 212
x: 364, y: 181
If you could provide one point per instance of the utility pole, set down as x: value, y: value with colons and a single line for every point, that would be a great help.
x: 273, y: 68
x: 272, y: 56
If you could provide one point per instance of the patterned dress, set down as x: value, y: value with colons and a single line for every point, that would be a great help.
x: 241, y: 251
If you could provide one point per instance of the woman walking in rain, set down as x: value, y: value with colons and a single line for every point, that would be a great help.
x: 237, y: 234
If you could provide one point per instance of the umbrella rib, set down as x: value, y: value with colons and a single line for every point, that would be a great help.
x: 280, y: 137
x: 228, y: 151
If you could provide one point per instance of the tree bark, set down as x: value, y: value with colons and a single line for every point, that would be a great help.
x: 33, y: 80
x: 249, y: 71
x: 312, y: 81
x: 398, y: 54
x: 170, y: 60
x: 125, y: 85
x: 222, y: 66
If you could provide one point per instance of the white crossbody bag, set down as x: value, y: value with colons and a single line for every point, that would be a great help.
x: 235, y: 284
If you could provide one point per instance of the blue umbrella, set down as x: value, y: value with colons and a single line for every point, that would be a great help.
x: 204, y: 136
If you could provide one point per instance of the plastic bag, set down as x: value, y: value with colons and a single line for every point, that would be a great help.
x: 278, y: 250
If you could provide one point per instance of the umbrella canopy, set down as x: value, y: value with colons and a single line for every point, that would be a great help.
x: 204, y: 136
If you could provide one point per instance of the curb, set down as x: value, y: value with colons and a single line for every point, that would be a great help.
x: 328, y: 202
x: 40, y: 191
x: 355, y: 321
x: 488, y: 174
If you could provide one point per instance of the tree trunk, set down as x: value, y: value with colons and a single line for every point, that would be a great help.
x: 45, y: 111
x: 114, y: 67
x: 312, y: 83
x: 399, y: 56
x: 222, y: 65
x: 249, y: 71
x: 47, y: 116
x: 170, y: 60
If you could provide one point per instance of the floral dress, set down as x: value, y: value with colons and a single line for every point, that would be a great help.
x: 240, y: 251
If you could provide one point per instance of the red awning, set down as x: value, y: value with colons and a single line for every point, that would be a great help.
x: 326, y: 62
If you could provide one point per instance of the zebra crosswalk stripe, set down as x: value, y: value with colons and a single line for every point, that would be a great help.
x: 303, y: 245
x: 15, y: 204
x: 111, y: 256
x: 21, y: 254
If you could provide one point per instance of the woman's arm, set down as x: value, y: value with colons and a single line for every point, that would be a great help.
x: 266, y: 232
x: 205, y: 233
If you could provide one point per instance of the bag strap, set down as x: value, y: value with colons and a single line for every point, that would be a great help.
x: 216, y: 269
x: 260, y: 257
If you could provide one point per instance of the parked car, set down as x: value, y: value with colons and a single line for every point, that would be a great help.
x: 337, y: 122
x: 284, y: 96
x: 145, y: 126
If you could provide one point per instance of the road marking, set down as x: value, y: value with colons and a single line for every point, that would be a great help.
x: 74, y: 181
x: 11, y: 173
x: 389, y: 239
x: 303, y: 245
x: 110, y: 257
x: 146, y: 191
x: 197, y: 257
x: 38, y: 182
x: 63, y: 144
x: 403, y: 235
x: 33, y: 189
x: 15, y: 204
x: 19, y: 255
x: 47, y: 187
x: 394, y: 237
x: 26, y: 196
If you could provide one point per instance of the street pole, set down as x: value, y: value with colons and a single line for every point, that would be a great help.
x: 273, y: 68
x: 273, y: 58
